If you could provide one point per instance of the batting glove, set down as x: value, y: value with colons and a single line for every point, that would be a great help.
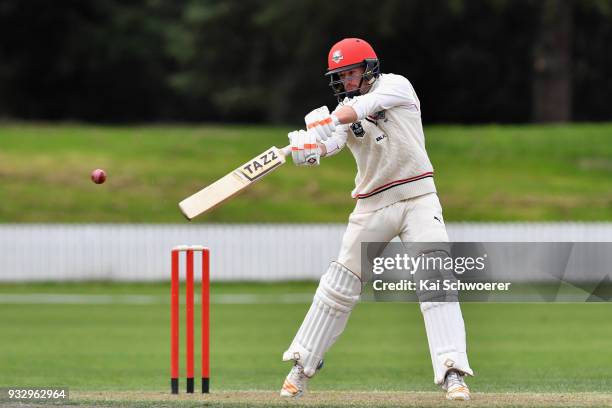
x: 304, y: 148
x: 321, y: 122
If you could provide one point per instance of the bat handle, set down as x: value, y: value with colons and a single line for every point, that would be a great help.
x: 286, y: 150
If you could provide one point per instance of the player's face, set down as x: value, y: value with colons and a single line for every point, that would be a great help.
x: 351, y: 78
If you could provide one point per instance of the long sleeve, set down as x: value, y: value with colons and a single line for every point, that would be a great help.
x: 394, y: 91
x: 337, y: 142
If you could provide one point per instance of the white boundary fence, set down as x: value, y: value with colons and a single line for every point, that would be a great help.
x: 264, y: 252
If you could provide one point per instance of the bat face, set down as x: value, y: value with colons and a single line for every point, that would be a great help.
x: 232, y: 183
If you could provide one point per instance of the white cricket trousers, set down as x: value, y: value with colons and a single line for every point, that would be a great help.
x: 417, y: 219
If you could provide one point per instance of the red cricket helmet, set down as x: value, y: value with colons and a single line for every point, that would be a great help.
x: 349, y: 54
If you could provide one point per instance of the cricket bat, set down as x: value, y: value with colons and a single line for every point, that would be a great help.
x: 234, y: 182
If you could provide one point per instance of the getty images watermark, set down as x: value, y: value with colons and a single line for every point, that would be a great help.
x: 432, y: 265
x: 487, y: 272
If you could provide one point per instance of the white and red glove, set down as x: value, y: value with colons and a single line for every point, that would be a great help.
x: 321, y: 122
x: 304, y: 148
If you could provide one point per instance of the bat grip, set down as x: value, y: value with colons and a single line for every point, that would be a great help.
x: 286, y: 150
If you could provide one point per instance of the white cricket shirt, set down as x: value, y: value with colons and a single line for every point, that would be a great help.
x: 388, y: 144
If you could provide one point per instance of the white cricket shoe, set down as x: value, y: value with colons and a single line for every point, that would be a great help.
x: 455, y: 387
x: 296, y: 382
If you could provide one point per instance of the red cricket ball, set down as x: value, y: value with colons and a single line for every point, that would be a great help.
x: 98, y: 176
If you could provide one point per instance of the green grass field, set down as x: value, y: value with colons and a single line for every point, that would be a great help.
x: 508, y: 173
x: 117, y: 352
x: 109, y: 342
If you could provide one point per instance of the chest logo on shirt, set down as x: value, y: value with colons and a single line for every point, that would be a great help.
x: 357, y: 129
x: 380, y: 138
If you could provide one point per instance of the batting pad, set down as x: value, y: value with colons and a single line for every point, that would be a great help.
x: 446, y: 337
x: 337, y: 294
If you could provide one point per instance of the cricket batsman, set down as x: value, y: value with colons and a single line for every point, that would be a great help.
x: 379, y: 118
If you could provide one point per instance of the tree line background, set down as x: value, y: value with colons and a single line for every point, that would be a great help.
x: 471, y: 61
